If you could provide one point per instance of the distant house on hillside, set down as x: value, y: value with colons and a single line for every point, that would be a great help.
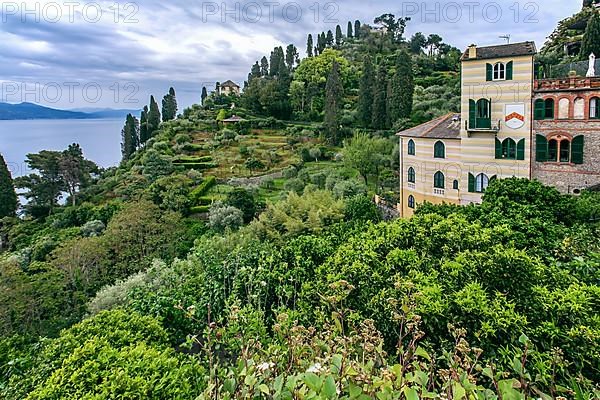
x: 233, y: 120
x: 228, y: 87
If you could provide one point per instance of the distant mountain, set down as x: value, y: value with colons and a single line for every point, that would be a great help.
x: 34, y: 111
x: 103, y: 113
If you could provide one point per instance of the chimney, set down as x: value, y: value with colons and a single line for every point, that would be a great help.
x: 473, y: 51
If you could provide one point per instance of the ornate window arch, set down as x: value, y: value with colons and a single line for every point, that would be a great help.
x: 439, y: 149
x: 411, y: 201
x: 411, y: 147
x: 412, y: 176
x: 439, y: 180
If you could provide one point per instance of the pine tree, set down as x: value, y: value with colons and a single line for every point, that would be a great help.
x: 338, y: 35
x: 365, y: 95
x: 130, y: 137
x: 349, y: 30
x: 8, y: 196
x: 321, y: 43
x: 357, y: 29
x: 144, y: 131
x: 379, y: 117
x: 254, y: 72
x: 169, y: 106
x: 402, y: 88
x: 591, y: 38
x: 291, y: 56
x: 264, y: 66
x: 334, y: 93
x: 309, y: 46
x: 153, y: 117
x: 329, y: 40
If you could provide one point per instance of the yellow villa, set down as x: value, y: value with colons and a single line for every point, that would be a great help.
x: 453, y: 158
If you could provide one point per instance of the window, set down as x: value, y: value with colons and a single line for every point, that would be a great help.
x: 455, y: 185
x: 565, y: 151
x: 411, y: 147
x: 480, y: 113
x: 509, y: 149
x: 544, y: 109
x: 559, y: 149
x: 411, y: 201
x: 595, y: 108
x: 499, y: 72
x: 563, y: 108
x: 412, y: 176
x: 481, y: 183
x: 439, y: 180
x: 439, y: 150
x: 579, y: 108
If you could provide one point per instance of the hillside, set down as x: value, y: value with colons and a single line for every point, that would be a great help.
x: 244, y: 258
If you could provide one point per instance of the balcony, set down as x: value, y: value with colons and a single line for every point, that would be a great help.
x: 483, y: 125
x: 571, y: 83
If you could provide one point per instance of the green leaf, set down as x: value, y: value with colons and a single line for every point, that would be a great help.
x: 329, y: 389
x: 336, y: 363
x: 354, y: 390
x: 313, y: 382
x: 264, y: 389
x: 458, y: 391
x: 487, y: 372
x: 421, y: 352
x: 229, y: 385
x: 411, y: 394
x: 523, y: 339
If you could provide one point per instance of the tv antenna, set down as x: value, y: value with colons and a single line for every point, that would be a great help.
x: 505, y: 37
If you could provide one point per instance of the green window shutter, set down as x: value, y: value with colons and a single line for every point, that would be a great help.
x: 489, y: 72
x: 577, y: 150
x: 471, y: 183
x: 509, y: 71
x: 498, y: 149
x: 541, y: 148
x: 472, y: 113
x: 540, y: 110
x: 521, y: 150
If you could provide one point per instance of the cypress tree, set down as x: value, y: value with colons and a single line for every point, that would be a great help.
x: 254, y: 72
x: 365, y: 95
x: 329, y: 40
x: 334, y: 93
x: 309, y: 46
x: 379, y: 118
x: 204, y: 95
x: 591, y: 38
x: 357, y: 29
x: 144, y: 131
x: 169, y: 106
x: 130, y: 137
x: 349, y: 30
x: 291, y: 56
x: 403, y: 87
x: 321, y: 43
x: 338, y: 35
x: 153, y: 117
x: 264, y: 66
x: 8, y: 196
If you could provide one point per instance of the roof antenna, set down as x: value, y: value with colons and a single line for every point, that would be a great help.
x: 505, y: 37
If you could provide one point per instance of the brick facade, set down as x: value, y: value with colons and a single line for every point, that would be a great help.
x: 568, y: 123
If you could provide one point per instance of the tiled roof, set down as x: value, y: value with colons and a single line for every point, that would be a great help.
x: 504, y: 50
x: 229, y: 83
x: 445, y: 127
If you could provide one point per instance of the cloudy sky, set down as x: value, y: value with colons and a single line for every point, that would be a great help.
x: 72, y: 54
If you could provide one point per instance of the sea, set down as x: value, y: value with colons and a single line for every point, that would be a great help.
x: 100, y: 140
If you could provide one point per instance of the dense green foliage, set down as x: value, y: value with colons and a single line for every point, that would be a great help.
x: 8, y: 196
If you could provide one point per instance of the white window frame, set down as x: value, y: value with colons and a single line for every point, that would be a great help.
x: 482, y: 181
x: 595, y: 107
x: 499, y: 72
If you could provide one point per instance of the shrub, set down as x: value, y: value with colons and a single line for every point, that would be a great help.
x: 93, y: 228
x: 116, y: 295
x: 222, y: 217
x: 361, y: 208
x: 295, y: 185
x: 203, y: 188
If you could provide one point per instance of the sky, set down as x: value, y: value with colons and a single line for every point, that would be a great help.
x: 95, y: 54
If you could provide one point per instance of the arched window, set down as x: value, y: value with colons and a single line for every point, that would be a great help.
x: 564, y: 106
x: 411, y: 147
x: 455, y: 185
x: 509, y: 149
x: 481, y: 183
x: 499, y: 71
x: 411, y: 201
x: 439, y: 150
x: 595, y: 108
x: 439, y: 180
x: 544, y: 109
x: 412, y: 176
x: 565, y: 150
